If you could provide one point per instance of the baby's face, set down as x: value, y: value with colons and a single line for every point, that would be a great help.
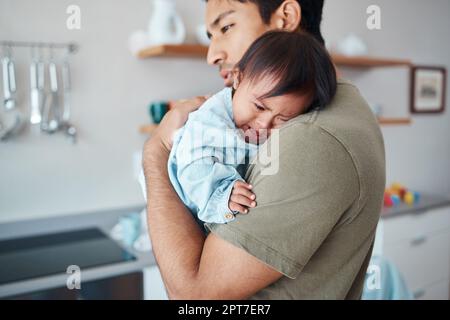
x: 256, y: 116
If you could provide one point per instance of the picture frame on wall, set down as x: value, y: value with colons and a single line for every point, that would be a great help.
x: 428, y: 89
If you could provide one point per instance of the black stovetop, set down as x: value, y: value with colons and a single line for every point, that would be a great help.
x: 52, y: 254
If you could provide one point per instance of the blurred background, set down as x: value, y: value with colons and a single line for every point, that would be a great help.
x: 74, y: 187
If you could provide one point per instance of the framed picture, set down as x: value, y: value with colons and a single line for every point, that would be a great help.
x: 428, y: 86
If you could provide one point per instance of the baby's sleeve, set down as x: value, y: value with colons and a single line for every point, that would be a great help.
x: 203, y: 171
x: 209, y: 183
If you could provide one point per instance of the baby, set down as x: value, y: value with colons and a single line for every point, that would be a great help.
x: 281, y: 76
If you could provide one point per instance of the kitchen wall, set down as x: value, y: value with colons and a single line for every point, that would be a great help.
x: 417, y: 155
x: 45, y: 175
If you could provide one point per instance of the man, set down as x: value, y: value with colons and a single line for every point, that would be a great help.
x: 312, y: 232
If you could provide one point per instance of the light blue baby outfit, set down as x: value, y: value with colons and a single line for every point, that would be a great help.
x: 209, y: 155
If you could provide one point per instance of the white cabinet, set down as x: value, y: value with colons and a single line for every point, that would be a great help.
x: 437, y: 291
x: 153, y: 285
x: 419, y: 245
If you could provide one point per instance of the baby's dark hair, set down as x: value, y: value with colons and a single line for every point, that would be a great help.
x: 296, y: 61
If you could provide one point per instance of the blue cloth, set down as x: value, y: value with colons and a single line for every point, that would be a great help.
x: 209, y: 155
x: 384, y: 282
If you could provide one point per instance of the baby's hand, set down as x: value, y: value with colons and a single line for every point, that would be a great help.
x: 242, y: 198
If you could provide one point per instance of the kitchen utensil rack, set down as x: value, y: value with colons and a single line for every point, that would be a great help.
x: 41, y: 104
x: 71, y: 47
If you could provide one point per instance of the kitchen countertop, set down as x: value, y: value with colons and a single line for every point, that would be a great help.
x: 426, y: 202
x: 103, y: 220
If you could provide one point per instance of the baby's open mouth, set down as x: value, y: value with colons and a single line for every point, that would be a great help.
x: 254, y: 136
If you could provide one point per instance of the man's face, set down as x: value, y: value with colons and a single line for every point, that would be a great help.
x: 232, y: 26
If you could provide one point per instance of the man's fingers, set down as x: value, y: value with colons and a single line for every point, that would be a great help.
x: 238, y: 208
x: 188, y: 104
x: 243, y: 200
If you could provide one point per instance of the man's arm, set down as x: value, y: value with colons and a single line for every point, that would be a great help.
x: 192, y: 266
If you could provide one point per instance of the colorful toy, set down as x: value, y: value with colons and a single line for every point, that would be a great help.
x: 388, y: 200
x: 396, y: 200
x: 397, y: 193
x: 409, y: 198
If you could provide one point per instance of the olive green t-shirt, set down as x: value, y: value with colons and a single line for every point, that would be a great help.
x: 318, y: 210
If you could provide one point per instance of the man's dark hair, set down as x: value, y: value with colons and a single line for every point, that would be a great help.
x: 297, y: 63
x: 311, y: 14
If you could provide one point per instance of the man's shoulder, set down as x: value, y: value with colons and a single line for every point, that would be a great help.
x: 348, y: 120
x: 301, y: 149
x: 347, y: 106
x: 344, y: 139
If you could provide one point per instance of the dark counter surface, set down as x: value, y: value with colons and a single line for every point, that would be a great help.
x: 103, y: 221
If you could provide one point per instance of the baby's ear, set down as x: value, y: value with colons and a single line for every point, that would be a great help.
x: 236, y: 79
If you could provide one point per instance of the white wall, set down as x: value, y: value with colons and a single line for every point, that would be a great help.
x: 417, y: 155
x: 44, y: 176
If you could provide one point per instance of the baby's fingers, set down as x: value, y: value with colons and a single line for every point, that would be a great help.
x: 243, y: 184
x: 244, y: 192
x: 243, y: 200
x: 237, y: 207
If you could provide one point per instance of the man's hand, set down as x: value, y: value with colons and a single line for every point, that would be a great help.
x: 175, y: 119
x: 242, y: 197
x: 188, y: 103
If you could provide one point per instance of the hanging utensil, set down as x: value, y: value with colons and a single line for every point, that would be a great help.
x: 53, y: 72
x: 41, y: 83
x: 66, y: 126
x: 12, y: 76
x: 13, y: 119
x: 8, y: 102
x: 35, y: 94
x: 41, y: 75
x: 65, y: 70
x: 51, y: 114
x: 9, y: 80
x: 5, y: 73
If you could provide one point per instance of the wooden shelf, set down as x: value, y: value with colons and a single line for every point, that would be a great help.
x: 394, y: 121
x: 368, y: 62
x: 185, y: 50
x: 150, y: 128
x: 199, y: 51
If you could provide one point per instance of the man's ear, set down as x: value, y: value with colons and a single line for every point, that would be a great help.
x: 288, y: 16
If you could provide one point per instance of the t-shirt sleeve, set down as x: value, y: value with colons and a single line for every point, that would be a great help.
x: 301, y: 193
